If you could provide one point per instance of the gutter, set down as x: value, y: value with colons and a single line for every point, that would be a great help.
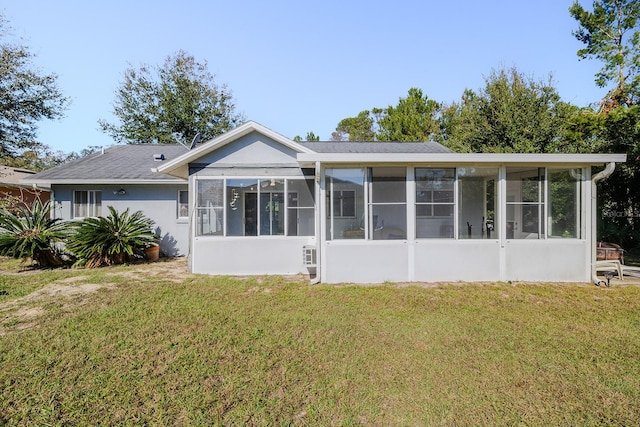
x: 608, y: 170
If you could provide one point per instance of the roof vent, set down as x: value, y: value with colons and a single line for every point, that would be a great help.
x: 158, y: 157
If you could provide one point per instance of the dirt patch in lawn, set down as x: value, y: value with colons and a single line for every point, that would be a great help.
x: 25, y: 312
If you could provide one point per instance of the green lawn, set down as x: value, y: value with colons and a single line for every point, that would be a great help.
x: 150, y: 344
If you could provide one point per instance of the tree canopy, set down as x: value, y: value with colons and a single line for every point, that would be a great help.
x: 414, y: 118
x: 171, y: 102
x: 310, y: 137
x: 611, y: 34
x: 513, y: 113
x: 27, y: 96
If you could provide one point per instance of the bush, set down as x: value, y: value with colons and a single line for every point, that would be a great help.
x: 116, y: 239
x: 32, y: 233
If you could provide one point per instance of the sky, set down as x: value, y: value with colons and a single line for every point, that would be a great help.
x: 297, y: 66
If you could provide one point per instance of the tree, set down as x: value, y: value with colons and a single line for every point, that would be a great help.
x: 413, y: 119
x: 26, y: 97
x: 619, y: 195
x: 310, y: 137
x: 359, y: 128
x: 512, y: 114
x: 611, y: 34
x: 174, y: 101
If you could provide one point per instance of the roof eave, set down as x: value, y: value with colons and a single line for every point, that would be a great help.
x: 129, y: 181
x: 449, y: 158
x: 170, y: 167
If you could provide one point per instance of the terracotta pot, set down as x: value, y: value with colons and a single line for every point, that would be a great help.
x: 152, y: 253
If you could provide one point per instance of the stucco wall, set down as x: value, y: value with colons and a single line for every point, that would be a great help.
x: 249, y: 255
x: 437, y: 260
x: 157, y: 201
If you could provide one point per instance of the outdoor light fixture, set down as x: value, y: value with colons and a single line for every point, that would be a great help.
x: 120, y: 192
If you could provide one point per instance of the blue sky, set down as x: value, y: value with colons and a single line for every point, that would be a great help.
x: 297, y: 66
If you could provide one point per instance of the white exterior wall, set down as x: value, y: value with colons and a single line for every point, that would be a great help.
x: 364, y: 261
x: 454, y: 260
x: 249, y: 255
x: 157, y: 201
x: 562, y: 260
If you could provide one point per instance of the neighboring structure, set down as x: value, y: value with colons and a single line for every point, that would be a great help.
x: 260, y: 203
x: 12, y: 188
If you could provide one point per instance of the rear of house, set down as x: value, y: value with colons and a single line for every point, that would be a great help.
x: 255, y: 202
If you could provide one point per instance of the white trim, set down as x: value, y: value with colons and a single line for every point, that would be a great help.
x: 84, y: 181
x: 172, y: 167
x: 456, y: 159
x: 178, y: 216
x: 89, y: 205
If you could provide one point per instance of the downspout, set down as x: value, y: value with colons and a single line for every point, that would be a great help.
x: 608, y: 170
x: 318, y: 227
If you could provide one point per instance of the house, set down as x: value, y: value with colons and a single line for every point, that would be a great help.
x: 252, y: 201
x: 13, y: 190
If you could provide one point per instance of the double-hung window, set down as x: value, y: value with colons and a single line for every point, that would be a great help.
x: 87, y: 203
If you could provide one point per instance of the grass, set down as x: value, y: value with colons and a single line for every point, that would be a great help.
x: 151, y: 347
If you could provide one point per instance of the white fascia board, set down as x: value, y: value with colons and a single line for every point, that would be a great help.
x: 462, y: 158
x: 104, y: 181
x: 170, y: 167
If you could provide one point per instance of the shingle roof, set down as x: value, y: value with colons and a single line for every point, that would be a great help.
x: 12, y: 176
x: 376, y: 147
x: 135, y: 162
x: 117, y: 163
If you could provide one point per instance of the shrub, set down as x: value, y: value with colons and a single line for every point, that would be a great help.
x: 115, y: 239
x: 32, y: 233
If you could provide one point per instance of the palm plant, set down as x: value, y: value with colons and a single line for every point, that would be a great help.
x: 115, y: 239
x: 32, y: 233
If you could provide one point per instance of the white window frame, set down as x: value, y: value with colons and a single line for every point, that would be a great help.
x: 283, y: 209
x: 91, y: 206
x: 182, y: 206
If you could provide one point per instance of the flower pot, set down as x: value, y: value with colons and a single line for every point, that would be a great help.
x: 152, y: 253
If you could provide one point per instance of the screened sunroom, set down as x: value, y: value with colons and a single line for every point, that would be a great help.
x: 369, y: 212
x: 448, y: 223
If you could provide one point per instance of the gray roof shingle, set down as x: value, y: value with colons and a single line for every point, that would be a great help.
x: 376, y: 147
x: 134, y: 162
x: 120, y: 162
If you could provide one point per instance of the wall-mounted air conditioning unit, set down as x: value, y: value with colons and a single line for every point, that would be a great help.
x: 309, y: 256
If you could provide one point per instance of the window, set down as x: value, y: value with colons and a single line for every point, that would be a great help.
x: 209, y: 207
x: 255, y: 207
x: 87, y: 203
x: 387, y: 203
x: 300, y: 207
x: 385, y: 216
x: 564, y: 203
x: 345, y: 204
x: 183, y: 204
x: 477, y: 189
x: 435, y: 202
x: 525, y: 203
